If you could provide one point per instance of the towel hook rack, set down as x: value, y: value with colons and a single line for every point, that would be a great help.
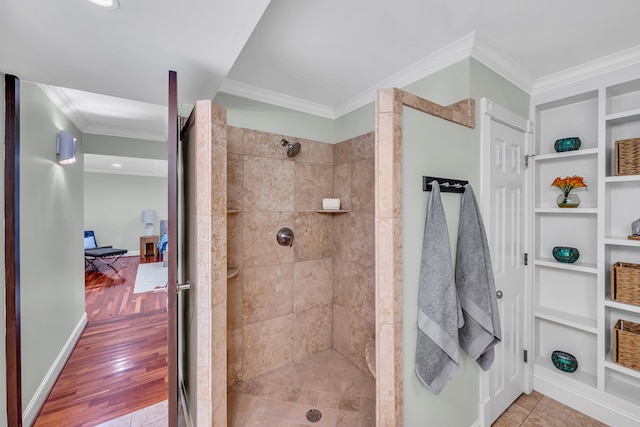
x: 447, y: 185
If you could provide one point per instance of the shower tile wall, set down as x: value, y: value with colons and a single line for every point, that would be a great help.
x: 280, y: 303
x: 354, y: 249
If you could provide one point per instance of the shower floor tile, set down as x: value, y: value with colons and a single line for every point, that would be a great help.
x: 325, y: 381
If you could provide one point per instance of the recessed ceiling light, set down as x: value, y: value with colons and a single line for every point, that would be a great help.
x: 107, y: 4
x: 116, y: 165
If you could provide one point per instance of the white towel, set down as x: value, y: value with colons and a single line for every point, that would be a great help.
x: 439, y: 315
x: 476, y: 286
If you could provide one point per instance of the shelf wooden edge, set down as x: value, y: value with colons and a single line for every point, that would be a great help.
x: 583, y: 267
x: 565, y: 319
x: 608, y: 302
x: 554, y: 374
x: 566, y: 211
x: 232, y: 211
x: 621, y: 178
x: 331, y: 211
x: 610, y: 364
x: 566, y: 154
x: 621, y: 241
x: 623, y: 116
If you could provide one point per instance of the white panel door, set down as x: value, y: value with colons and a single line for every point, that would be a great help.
x: 507, y: 242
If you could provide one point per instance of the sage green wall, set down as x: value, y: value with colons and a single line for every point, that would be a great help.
x: 356, y: 123
x: 113, y: 203
x: 486, y: 83
x: 436, y: 147
x: 51, y: 253
x: 432, y: 146
x: 249, y: 114
x: 124, y: 147
x: 3, y: 361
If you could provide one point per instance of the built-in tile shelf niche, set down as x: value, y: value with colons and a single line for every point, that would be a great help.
x: 232, y: 272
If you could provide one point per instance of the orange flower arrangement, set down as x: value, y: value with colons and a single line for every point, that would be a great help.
x: 569, y: 183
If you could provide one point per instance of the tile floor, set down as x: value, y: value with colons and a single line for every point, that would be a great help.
x: 151, y: 416
x: 325, y: 381
x: 345, y: 396
x: 537, y: 410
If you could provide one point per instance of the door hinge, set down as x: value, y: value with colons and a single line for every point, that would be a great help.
x: 526, y: 259
x: 526, y: 159
x: 526, y: 357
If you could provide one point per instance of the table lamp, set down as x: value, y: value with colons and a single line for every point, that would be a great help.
x: 148, y: 217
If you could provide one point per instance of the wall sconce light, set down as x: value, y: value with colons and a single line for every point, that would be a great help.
x: 66, y: 148
x: 148, y: 217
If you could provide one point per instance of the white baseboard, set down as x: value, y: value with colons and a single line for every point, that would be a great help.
x: 484, y: 415
x: 41, y: 394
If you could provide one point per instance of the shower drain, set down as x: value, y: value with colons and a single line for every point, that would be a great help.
x: 314, y: 415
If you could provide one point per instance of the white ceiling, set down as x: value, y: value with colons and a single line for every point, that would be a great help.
x: 326, y: 57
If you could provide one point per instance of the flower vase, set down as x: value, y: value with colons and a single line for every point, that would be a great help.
x: 568, y: 200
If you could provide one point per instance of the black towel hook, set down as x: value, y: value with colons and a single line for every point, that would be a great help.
x: 447, y: 185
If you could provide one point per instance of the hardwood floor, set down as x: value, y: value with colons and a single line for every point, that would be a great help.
x: 109, y: 294
x: 120, y: 362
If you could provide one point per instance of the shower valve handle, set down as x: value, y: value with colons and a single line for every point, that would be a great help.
x: 285, y: 237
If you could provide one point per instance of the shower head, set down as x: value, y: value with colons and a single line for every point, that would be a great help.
x: 292, y: 148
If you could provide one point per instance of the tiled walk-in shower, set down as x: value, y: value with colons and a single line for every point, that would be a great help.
x: 300, y: 317
x: 325, y: 381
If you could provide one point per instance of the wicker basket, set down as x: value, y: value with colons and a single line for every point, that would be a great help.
x: 625, y: 283
x: 628, y: 156
x: 626, y: 344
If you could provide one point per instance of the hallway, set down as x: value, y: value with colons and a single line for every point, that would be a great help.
x: 119, y: 365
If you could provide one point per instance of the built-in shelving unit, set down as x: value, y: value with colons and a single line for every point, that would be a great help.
x: 572, y: 307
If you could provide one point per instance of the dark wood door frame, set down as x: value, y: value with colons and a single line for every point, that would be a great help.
x: 12, y: 249
x: 172, y: 289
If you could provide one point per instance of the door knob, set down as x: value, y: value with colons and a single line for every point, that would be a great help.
x: 181, y: 287
x: 499, y: 294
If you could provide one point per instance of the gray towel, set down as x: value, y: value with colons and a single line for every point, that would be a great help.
x: 476, y: 286
x: 439, y: 314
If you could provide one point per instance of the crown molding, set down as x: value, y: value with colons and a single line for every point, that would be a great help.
x: 101, y: 163
x: 603, y: 65
x: 124, y: 133
x: 62, y: 101
x: 59, y: 98
x: 448, y: 55
x: 471, y: 45
x: 267, y: 96
x: 501, y: 63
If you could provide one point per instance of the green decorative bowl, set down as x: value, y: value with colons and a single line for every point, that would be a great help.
x: 564, y: 361
x: 565, y: 254
x: 567, y: 144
